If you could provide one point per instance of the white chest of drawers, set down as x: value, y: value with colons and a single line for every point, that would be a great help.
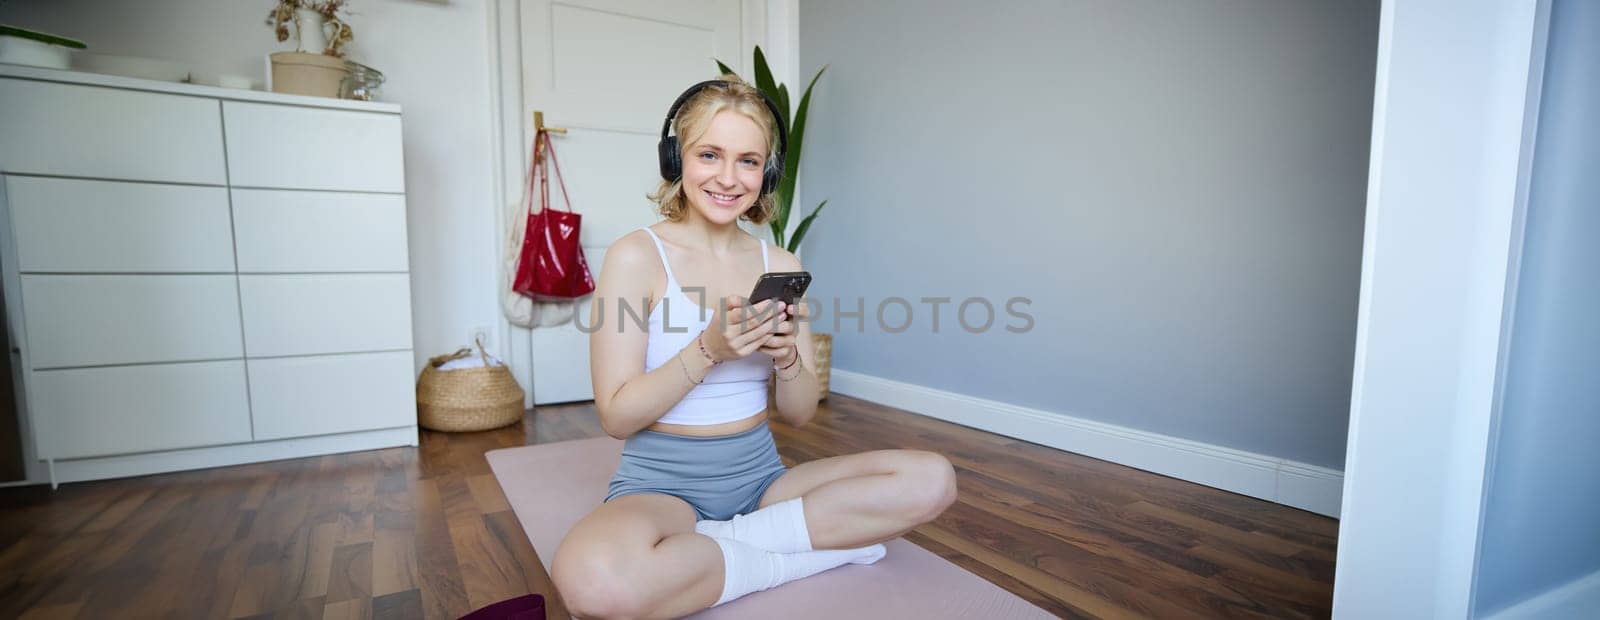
x: 198, y: 276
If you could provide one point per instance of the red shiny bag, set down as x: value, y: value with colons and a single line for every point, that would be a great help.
x: 552, y: 265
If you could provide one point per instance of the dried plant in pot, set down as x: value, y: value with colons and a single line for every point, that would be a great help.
x: 317, y: 65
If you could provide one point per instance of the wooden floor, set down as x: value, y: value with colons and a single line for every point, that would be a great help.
x: 426, y: 532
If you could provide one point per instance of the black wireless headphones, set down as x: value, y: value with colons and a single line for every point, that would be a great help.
x: 671, y: 155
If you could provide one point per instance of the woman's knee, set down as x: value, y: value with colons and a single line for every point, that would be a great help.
x: 593, y: 581
x: 933, y: 482
x: 598, y: 566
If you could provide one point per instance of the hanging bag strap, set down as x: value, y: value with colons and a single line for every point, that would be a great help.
x: 533, y: 170
x: 548, y: 147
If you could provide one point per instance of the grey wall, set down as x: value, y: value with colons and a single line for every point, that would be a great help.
x: 1178, y: 186
x: 1543, y: 502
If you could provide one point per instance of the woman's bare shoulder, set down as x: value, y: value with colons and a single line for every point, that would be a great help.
x: 629, y: 265
x: 634, y: 246
x: 782, y: 260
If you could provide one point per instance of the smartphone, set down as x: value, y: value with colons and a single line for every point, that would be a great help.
x: 788, y: 286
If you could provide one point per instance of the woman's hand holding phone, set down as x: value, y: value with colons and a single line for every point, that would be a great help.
x: 743, y: 329
x: 790, y: 286
x: 780, y: 345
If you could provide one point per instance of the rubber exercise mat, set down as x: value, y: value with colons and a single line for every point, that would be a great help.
x: 551, y: 486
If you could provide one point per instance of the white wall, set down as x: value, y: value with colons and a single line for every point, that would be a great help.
x: 1447, y: 136
x: 435, y: 57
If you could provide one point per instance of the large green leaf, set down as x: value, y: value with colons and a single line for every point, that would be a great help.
x: 764, y: 80
x: 800, y: 233
x: 42, y: 37
x: 791, y: 159
x: 724, y: 68
x: 783, y: 104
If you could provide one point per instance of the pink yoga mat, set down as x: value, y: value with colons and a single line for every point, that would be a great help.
x: 551, y: 486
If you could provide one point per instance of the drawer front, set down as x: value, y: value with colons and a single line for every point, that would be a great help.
x: 97, y: 320
x: 290, y: 231
x: 306, y: 148
x: 303, y: 396
x: 79, y: 225
x: 314, y: 314
x: 126, y: 409
x: 85, y: 131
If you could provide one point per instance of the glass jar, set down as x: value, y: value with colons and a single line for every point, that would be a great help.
x: 360, y: 82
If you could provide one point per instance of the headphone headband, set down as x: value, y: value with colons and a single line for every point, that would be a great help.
x: 672, y: 166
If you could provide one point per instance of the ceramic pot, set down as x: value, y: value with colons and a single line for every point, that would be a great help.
x: 311, y: 31
x: 300, y: 73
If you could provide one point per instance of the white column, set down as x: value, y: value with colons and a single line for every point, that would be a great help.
x: 1451, y: 120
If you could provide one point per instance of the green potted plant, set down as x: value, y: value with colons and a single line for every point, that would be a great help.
x: 784, y: 197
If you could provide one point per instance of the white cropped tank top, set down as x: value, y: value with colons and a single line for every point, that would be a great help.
x: 733, y: 390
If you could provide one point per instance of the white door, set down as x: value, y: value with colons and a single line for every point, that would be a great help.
x: 607, y: 70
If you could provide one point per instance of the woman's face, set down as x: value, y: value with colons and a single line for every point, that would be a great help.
x: 722, y: 171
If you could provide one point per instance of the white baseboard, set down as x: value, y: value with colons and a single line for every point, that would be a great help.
x: 1578, y: 598
x: 1303, y: 486
x: 101, y: 468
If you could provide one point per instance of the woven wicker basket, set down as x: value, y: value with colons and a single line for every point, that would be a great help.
x: 824, y: 348
x: 467, y: 399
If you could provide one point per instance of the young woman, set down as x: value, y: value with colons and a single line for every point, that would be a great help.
x: 701, y: 510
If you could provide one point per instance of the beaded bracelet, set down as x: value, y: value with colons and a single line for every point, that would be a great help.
x: 794, y: 376
x: 685, y: 366
x: 711, y: 360
x: 791, y: 362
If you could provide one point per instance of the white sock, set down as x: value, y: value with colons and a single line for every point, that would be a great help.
x: 747, y: 569
x: 779, y: 528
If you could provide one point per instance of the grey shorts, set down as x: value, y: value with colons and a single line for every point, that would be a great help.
x: 719, y: 476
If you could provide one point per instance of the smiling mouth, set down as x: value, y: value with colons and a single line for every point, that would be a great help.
x: 723, y: 197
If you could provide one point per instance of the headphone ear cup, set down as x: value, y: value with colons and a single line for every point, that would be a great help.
x: 771, y: 176
x: 671, y: 167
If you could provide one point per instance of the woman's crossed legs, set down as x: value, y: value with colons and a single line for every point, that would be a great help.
x: 638, y: 555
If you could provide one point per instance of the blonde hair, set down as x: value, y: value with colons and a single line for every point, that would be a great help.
x: 692, y: 122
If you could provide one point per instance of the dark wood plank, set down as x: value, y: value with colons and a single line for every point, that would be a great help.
x: 351, y: 576
x: 444, y: 595
x: 489, y: 570
x: 398, y: 606
x: 394, y: 554
x: 349, y: 609
x: 506, y: 529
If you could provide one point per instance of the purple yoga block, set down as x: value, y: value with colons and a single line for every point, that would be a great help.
x: 525, y: 607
